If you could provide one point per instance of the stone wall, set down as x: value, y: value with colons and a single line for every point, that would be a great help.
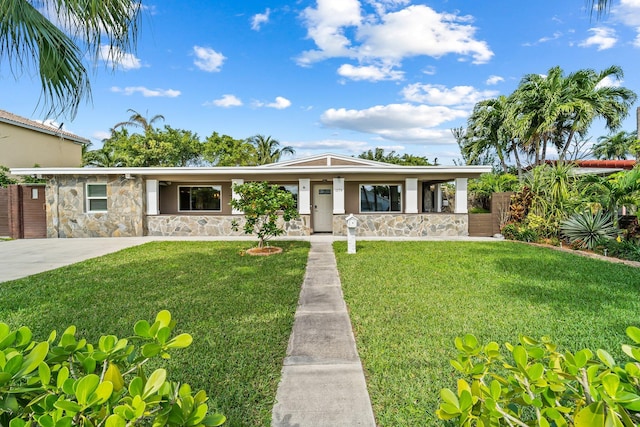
x: 405, y: 225
x: 214, y: 225
x: 67, y: 216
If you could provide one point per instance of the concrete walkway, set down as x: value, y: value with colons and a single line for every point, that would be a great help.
x: 322, y: 380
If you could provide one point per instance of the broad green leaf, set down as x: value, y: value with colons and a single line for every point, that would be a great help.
x: 4, y: 330
x: 115, y: 421
x: 107, y: 342
x: 449, y: 409
x: 46, y: 421
x: 102, y: 393
x: 164, y: 317
x: 214, y: 420
x: 163, y: 335
x: 17, y: 422
x: 113, y: 375
x: 34, y: 358
x: 535, y: 371
x: 528, y: 340
x: 14, y: 364
x: 632, y: 332
x: 5, y: 377
x: 65, y: 422
x: 136, y: 387
x: 590, y: 416
x: 450, y: 397
x: 606, y: 358
x: 200, y: 397
x: 44, y: 372
x: 63, y: 374
x: 69, y: 386
x: 198, y: 415
x: 632, y: 352
x: 89, y: 365
x: 180, y: 341
x: 520, y: 356
x: 68, y: 406
x: 7, y: 341
x: 23, y: 336
x: 85, y: 386
x: 612, y: 419
x: 151, y: 349
x: 155, y: 381
x: 582, y: 357
x: 610, y: 382
x: 496, y: 390
x: 141, y: 328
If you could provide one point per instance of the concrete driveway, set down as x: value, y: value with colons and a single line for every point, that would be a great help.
x: 21, y: 258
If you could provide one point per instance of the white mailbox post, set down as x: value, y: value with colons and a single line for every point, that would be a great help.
x: 352, y: 223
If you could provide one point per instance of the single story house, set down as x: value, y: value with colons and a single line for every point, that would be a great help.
x: 387, y: 199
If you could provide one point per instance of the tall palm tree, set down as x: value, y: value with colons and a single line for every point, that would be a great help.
x: 616, y: 146
x: 138, y: 120
x: 268, y: 150
x: 29, y: 37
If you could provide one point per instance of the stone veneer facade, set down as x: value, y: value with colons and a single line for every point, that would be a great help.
x: 67, y: 216
x: 405, y: 225
x: 214, y: 225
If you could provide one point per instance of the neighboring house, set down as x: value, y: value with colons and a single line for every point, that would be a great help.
x: 25, y: 143
x: 388, y: 200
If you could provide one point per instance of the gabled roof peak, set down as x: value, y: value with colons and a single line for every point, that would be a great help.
x: 328, y: 159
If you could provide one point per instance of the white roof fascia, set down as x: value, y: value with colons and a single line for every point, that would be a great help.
x: 255, y: 171
x: 329, y: 155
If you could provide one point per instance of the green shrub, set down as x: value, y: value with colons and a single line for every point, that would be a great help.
x: 538, y: 385
x: 623, y: 249
x: 74, y: 383
x: 587, y: 229
x: 513, y: 231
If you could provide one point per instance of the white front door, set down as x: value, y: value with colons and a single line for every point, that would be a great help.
x: 322, y: 208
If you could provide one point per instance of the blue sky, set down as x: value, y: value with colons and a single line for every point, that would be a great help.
x: 340, y: 76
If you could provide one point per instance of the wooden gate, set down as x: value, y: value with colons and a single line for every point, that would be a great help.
x: 4, y: 212
x: 27, y: 213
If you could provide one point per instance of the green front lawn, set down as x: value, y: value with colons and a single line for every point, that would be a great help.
x: 409, y: 300
x: 239, y: 310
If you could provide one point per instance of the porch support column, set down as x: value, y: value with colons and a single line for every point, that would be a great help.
x: 411, y: 203
x: 304, y: 196
x: 461, y: 196
x: 153, y: 205
x: 236, y: 196
x: 338, y: 196
x: 438, y: 197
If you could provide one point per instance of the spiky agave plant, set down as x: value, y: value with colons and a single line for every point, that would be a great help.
x: 588, y: 228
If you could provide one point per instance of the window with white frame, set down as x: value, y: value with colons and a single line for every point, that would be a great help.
x: 293, y: 189
x: 199, y: 198
x: 96, y: 197
x: 380, y: 198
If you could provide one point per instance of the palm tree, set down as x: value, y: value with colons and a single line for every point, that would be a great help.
x: 138, y: 120
x: 615, y: 147
x: 613, y: 191
x: 28, y: 37
x: 267, y: 149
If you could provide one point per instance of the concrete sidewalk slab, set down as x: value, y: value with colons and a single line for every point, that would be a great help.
x: 322, y: 382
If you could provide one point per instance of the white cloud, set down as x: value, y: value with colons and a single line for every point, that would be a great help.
x: 146, y: 92
x: 208, y: 59
x: 429, y: 70
x: 441, y: 95
x: 627, y: 12
x: 603, y: 38
x: 260, y: 18
x: 339, y: 29
x: 609, y: 81
x: 369, y: 72
x: 636, y: 41
x: 494, y: 80
x: 394, y: 121
x: 331, y: 145
x: 279, y: 104
x: 115, y: 57
x: 227, y: 101
x: 101, y: 135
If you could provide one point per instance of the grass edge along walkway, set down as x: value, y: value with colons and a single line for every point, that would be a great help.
x: 239, y: 310
x: 409, y: 300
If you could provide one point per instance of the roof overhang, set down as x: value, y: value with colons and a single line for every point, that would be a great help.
x: 365, y: 172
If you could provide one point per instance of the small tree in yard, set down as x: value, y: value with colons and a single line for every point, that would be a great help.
x: 262, y: 204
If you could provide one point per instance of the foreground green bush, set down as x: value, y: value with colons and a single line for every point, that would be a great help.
x: 74, y: 383
x: 537, y: 385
